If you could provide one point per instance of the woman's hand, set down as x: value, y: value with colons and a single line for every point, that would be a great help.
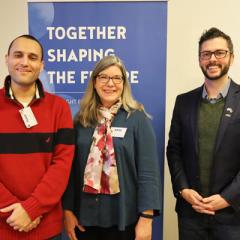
x: 70, y: 223
x: 143, y: 229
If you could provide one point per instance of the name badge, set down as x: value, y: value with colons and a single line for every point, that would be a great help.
x: 28, y: 117
x: 118, y: 132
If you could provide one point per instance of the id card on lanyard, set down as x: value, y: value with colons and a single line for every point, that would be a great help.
x: 28, y: 117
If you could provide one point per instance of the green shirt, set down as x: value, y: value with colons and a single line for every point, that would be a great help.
x: 208, y: 123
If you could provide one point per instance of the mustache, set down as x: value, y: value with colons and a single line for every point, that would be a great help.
x: 214, y: 65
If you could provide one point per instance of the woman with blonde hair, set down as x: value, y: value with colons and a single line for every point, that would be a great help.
x: 114, y: 188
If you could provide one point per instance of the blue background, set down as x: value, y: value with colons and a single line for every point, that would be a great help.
x: 144, y: 49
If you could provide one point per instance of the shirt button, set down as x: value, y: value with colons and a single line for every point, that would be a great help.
x: 96, y: 199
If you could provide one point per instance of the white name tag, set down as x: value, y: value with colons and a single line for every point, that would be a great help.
x: 28, y: 117
x: 118, y: 132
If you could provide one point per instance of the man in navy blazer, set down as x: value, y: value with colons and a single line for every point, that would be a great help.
x: 204, y: 147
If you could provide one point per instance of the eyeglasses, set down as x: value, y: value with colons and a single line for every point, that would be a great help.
x: 206, y: 55
x: 104, y: 79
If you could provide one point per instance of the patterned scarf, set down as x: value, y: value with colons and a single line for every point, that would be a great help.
x: 101, y: 174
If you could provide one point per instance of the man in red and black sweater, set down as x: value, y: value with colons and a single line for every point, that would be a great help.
x: 36, y: 148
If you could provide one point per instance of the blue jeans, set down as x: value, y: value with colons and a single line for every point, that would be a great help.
x: 206, y: 228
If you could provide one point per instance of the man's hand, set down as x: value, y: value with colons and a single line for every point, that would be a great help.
x: 196, y: 200
x: 215, y: 202
x: 19, y: 218
x: 33, y: 224
x: 211, y: 204
x: 191, y: 196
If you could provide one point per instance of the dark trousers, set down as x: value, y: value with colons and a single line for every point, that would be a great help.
x: 112, y: 233
x: 58, y: 237
x: 206, y: 228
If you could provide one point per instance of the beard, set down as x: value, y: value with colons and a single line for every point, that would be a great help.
x: 223, y: 72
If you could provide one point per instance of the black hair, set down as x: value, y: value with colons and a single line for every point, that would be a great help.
x: 27, y: 36
x: 214, y: 33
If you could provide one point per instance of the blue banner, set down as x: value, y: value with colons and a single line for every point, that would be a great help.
x: 75, y: 35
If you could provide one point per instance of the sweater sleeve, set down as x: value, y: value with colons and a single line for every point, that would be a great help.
x: 51, y: 187
x: 6, y: 198
x: 149, y: 186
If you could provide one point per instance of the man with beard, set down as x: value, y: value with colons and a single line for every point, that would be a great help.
x: 203, y: 150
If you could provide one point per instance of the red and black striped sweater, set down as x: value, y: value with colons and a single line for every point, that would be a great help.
x: 34, y: 162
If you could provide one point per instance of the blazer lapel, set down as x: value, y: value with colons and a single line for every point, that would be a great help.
x: 194, y: 116
x: 232, y: 100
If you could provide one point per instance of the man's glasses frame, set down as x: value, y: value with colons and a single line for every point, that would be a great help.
x: 220, y: 53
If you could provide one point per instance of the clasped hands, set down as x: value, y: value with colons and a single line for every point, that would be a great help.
x: 208, y: 205
x: 19, y: 218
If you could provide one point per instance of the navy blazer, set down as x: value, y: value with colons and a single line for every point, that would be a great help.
x: 182, y: 153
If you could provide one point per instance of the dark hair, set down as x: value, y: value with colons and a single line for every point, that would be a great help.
x: 27, y: 36
x: 215, y: 33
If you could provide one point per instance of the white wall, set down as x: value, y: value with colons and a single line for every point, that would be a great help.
x: 187, y: 19
x: 13, y: 22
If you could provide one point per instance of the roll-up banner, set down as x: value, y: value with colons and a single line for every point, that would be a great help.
x: 77, y: 34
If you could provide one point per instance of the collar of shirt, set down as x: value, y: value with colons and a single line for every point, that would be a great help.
x: 221, y: 94
x: 37, y: 95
